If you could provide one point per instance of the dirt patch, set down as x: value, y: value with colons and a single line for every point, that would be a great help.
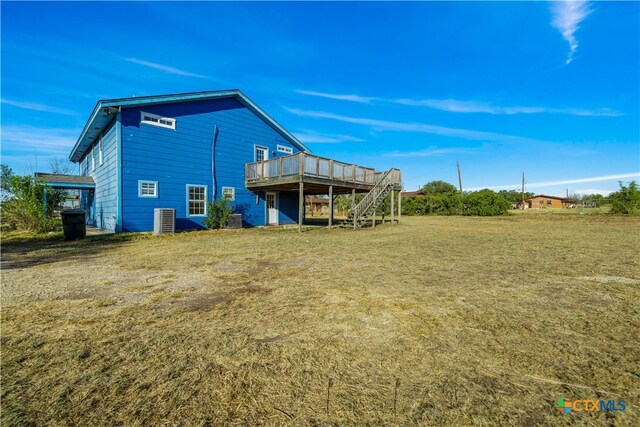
x: 204, y: 302
x: 78, y: 295
x: 261, y: 266
x: 267, y: 265
x: 252, y: 289
x: 269, y: 340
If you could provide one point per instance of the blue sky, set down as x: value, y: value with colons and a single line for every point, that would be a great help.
x: 549, y: 89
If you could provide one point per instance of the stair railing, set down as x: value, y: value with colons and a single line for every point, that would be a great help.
x: 389, y: 178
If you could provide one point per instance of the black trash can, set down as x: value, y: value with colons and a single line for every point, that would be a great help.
x: 73, y: 224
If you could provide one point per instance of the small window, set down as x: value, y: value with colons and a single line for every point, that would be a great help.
x: 548, y: 202
x: 147, y: 189
x: 196, y: 200
x: 93, y: 158
x: 100, y: 152
x: 155, y: 120
x: 285, y: 149
x: 229, y: 193
x: 262, y: 154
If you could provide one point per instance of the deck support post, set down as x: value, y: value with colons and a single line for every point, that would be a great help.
x: 353, y: 203
x: 330, y: 206
x: 399, y: 205
x: 392, y: 205
x: 300, y: 206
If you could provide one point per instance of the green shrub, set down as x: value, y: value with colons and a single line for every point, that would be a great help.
x: 485, y: 203
x: 442, y: 204
x: 24, y: 206
x: 433, y: 204
x: 413, y: 206
x: 218, y: 213
x: 627, y: 200
x: 438, y: 187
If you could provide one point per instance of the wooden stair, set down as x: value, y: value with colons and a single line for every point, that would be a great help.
x: 360, y: 215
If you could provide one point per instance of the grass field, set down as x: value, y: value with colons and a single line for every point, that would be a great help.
x: 438, y: 320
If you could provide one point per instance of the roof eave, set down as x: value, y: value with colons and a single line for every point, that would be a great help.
x: 164, y: 99
x: 96, y: 109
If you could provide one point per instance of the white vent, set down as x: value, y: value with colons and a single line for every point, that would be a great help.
x: 164, y: 221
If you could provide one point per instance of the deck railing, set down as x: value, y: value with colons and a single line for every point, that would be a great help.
x: 303, y: 164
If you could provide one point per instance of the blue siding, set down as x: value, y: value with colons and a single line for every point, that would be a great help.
x: 175, y: 158
x: 102, y: 205
x: 288, y: 204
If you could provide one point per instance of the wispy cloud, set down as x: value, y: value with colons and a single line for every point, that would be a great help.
x: 352, y: 98
x: 385, y: 125
x: 165, y: 68
x: 566, y: 18
x: 43, y: 140
x: 38, y: 107
x: 429, y: 152
x: 458, y: 106
x: 564, y: 182
x: 33, y: 147
x: 463, y: 106
x: 319, y: 138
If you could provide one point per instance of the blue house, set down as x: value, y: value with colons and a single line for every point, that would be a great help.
x: 180, y: 151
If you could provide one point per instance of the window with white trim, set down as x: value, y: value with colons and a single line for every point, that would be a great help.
x: 147, y: 188
x: 229, y: 193
x: 285, y: 149
x: 93, y: 158
x: 196, y: 200
x: 100, y: 152
x: 262, y: 153
x: 155, y: 120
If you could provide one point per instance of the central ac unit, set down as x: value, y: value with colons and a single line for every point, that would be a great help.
x: 164, y: 221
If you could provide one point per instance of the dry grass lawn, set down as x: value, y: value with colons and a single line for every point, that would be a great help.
x: 436, y: 321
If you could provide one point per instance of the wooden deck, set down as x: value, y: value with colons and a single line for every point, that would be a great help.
x: 309, y: 174
x: 317, y: 174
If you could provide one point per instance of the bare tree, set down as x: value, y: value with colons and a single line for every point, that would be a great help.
x: 61, y: 166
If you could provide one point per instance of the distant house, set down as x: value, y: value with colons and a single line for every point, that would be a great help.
x: 180, y: 151
x: 317, y: 205
x: 543, y: 201
x: 409, y: 194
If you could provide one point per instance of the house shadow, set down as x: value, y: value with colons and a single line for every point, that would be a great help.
x: 25, y: 252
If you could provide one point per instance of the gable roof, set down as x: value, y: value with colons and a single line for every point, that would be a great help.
x: 103, y: 115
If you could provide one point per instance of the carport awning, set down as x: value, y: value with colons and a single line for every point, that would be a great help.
x: 67, y: 182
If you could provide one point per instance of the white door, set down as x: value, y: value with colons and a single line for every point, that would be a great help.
x: 261, y: 155
x: 272, y: 209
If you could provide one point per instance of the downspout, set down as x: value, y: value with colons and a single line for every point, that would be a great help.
x: 213, y: 162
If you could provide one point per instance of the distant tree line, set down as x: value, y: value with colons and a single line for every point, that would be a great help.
x: 442, y: 198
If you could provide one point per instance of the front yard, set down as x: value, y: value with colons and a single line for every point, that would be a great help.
x: 438, y: 320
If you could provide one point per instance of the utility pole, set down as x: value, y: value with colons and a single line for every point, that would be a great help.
x: 523, y: 190
x: 460, y: 183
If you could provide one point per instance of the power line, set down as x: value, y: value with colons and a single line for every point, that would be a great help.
x: 430, y: 172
